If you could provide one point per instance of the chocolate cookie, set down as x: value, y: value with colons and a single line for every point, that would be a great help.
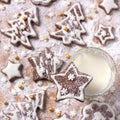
x: 71, y: 83
x: 21, y: 28
x: 44, y: 64
x: 71, y: 28
x: 98, y: 111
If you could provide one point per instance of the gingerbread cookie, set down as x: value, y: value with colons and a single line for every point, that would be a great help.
x: 104, y: 34
x: 98, y: 111
x: 108, y: 5
x: 21, y: 28
x: 36, y: 99
x: 45, y: 64
x: 71, y: 83
x: 71, y: 28
x: 12, y: 70
x: 64, y: 117
x: 20, y: 111
x: 5, y: 1
x: 42, y: 2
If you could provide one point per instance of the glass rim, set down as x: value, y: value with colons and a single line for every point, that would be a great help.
x: 109, y: 60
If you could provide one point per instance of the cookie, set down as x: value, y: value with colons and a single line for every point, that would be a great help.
x: 71, y: 83
x: 21, y: 28
x: 12, y: 70
x: 44, y: 64
x: 104, y: 34
x: 20, y: 111
x: 108, y: 5
x: 71, y: 28
x: 36, y: 99
x: 98, y: 111
x: 5, y: 1
x: 64, y: 117
x: 42, y: 2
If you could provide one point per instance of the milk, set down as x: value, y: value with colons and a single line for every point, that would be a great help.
x: 96, y: 66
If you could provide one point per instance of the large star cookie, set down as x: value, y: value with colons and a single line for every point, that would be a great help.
x: 71, y: 83
x: 108, y: 5
x: 36, y: 99
x: 21, y: 28
x: 45, y: 64
x: 20, y: 111
x: 64, y: 117
x: 98, y: 111
x: 70, y: 27
x: 104, y: 34
x: 42, y: 2
x: 12, y: 70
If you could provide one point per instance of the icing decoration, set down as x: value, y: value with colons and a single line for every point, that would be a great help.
x: 104, y: 34
x: 42, y: 2
x: 45, y: 64
x: 71, y: 88
x: 20, y: 111
x: 21, y: 28
x: 64, y: 117
x: 38, y: 101
x: 70, y: 27
x: 98, y: 111
x: 5, y: 1
x: 12, y: 70
x: 108, y: 5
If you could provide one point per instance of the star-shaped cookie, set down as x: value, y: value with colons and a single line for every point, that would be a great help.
x: 12, y: 70
x: 64, y: 117
x: 70, y: 28
x: 104, y: 34
x: 71, y: 83
x: 108, y: 5
x: 21, y: 28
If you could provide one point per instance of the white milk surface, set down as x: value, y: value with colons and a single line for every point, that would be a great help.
x: 98, y: 68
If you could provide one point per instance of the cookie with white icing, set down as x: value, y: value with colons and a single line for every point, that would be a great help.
x: 20, y: 111
x: 12, y: 70
x: 44, y: 64
x: 42, y: 2
x: 104, y: 34
x: 98, y: 111
x: 37, y: 99
x: 64, y: 117
x: 71, y: 83
x: 5, y: 1
x: 21, y: 28
x: 70, y: 28
x: 108, y: 5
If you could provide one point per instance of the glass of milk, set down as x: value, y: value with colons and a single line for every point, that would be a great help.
x: 99, y: 65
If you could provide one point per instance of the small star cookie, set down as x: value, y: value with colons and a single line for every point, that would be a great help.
x: 42, y: 2
x: 71, y: 83
x: 108, y: 5
x: 104, y: 34
x: 98, y: 111
x: 12, y: 70
x: 64, y: 117
x: 21, y: 28
x: 44, y: 64
x: 71, y: 28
